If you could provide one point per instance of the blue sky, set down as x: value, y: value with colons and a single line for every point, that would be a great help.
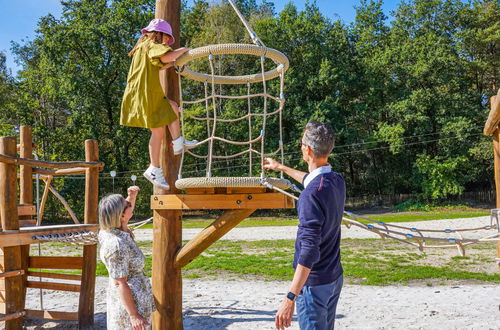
x: 18, y: 20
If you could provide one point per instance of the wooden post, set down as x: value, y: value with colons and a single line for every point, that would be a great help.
x: 86, y: 303
x: 8, y: 214
x: 496, y: 151
x: 26, y: 194
x: 167, y: 234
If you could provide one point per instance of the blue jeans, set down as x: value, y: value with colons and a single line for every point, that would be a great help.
x: 316, y: 305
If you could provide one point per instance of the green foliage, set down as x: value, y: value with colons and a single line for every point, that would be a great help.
x: 408, y: 98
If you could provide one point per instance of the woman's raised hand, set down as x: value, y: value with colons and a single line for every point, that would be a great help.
x: 132, y: 191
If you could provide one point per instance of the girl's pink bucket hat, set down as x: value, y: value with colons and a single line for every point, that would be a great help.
x: 160, y: 25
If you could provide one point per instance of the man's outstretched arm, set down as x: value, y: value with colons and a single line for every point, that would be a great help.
x: 272, y: 164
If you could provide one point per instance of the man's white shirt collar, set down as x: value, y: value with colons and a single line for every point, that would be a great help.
x: 315, y: 173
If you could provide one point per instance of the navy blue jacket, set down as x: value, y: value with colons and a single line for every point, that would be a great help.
x: 320, y: 208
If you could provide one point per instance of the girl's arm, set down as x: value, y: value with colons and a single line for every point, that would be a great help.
x: 138, y: 322
x: 173, y: 55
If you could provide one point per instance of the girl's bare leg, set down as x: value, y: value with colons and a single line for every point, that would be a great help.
x: 174, y: 126
x: 157, y: 135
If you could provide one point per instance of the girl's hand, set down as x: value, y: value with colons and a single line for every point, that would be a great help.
x: 132, y: 191
x: 138, y: 322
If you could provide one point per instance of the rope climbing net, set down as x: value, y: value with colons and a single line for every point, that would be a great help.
x: 212, y: 101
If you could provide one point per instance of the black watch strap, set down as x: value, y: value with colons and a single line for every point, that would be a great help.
x: 292, y: 296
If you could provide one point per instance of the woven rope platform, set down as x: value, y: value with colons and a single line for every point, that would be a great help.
x: 226, y: 49
x: 233, y: 182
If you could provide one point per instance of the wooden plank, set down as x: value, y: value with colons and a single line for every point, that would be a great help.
x: 26, y: 209
x: 243, y: 190
x: 53, y: 286
x: 52, y: 315
x: 73, y: 277
x: 87, y: 292
x: 27, y: 223
x: 200, y: 191
x: 56, y: 262
x: 227, y: 221
x: 12, y: 273
x: 14, y: 291
x: 25, y: 235
x: 221, y: 202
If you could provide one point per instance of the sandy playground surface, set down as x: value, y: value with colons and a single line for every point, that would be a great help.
x: 251, y: 305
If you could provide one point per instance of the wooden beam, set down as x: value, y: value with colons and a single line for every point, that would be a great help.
x: 54, y: 286
x: 494, y: 115
x: 52, y: 315
x: 65, y: 171
x: 25, y: 235
x: 496, y: 152
x: 87, y: 293
x: 26, y: 209
x: 227, y: 221
x: 73, y: 277
x: 45, y: 195
x: 167, y: 240
x: 12, y: 316
x: 9, y: 219
x: 12, y: 160
x: 221, y: 201
x: 56, y: 262
x: 12, y: 273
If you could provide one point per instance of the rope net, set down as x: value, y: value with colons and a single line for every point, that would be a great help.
x: 216, y: 111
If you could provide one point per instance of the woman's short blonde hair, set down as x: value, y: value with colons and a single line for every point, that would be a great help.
x: 111, y: 209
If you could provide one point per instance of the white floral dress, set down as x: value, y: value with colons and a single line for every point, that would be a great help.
x: 123, y: 258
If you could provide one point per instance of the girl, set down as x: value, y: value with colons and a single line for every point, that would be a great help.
x: 144, y: 102
x: 130, y: 300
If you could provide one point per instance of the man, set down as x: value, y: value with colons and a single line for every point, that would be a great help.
x: 318, y: 276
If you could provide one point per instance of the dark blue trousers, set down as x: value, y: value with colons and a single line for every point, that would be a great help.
x: 316, y: 305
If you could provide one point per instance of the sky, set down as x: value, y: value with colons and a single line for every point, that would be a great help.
x: 18, y: 20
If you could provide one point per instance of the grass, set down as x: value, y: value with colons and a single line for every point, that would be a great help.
x: 435, y: 214
x: 365, y: 261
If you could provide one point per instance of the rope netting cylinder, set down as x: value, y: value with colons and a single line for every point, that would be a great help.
x: 214, y: 111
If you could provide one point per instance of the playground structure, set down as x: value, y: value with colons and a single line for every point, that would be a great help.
x: 19, y: 230
x: 239, y: 197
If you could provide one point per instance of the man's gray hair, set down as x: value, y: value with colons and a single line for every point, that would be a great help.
x: 319, y: 137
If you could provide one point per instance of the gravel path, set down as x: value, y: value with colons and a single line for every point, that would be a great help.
x: 267, y: 233
x: 251, y: 305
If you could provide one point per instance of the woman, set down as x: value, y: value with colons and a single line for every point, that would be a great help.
x: 129, y: 299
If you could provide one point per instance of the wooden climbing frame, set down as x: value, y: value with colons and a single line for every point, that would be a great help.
x: 17, y: 232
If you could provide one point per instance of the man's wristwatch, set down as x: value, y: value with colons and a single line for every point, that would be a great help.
x: 292, y: 296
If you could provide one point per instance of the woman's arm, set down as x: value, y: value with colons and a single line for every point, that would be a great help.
x: 138, y: 322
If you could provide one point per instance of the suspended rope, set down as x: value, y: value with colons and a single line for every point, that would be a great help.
x: 412, y: 235
x: 213, y: 103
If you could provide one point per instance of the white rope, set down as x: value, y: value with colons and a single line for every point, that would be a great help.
x: 249, y: 116
x: 409, y: 237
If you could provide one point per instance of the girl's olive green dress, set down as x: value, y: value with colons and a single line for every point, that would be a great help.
x: 144, y: 104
